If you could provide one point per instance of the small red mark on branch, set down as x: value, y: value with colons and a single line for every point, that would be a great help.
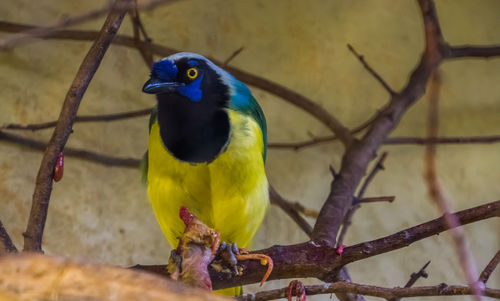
x: 340, y: 249
x: 59, y: 168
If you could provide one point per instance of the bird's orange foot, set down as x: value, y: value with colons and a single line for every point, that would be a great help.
x: 296, y: 288
x: 264, y: 260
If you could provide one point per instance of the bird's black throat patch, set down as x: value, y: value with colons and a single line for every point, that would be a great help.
x: 195, y: 132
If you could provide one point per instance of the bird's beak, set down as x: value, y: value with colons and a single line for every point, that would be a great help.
x: 157, y: 86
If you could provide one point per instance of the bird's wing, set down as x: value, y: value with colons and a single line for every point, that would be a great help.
x: 243, y: 101
x: 144, y: 163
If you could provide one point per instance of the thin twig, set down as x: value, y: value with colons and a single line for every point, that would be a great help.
x: 138, y: 29
x: 43, y: 188
x: 286, y: 206
x: 378, y: 167
x: 83, y: 118
x: 6, y: 244
x: 318, y: 140
x: 371, y: 290
x: 42, y: 32
x: 232, y: 56
x: 437, y: 193
x: 356, y: 205
x: 304, y: 210
x: 357, y: 157
x: 485, y: 274
x: 442, y: 140
x: 414, y: 277
x: 371, y: 70
x: 73, y: 152
x: 389, y: 199
x: 456, y: 52
x: 392, y: 141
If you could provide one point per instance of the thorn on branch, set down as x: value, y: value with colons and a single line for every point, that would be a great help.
x: 414, y: 277
x: 333, y: 171
x: 232, y: 56
x: 6, y: 244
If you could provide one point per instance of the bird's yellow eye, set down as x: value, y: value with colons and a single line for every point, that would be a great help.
x: 192, y: 73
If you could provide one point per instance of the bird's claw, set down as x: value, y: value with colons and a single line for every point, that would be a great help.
x: 227, y: 252
x: 229, y: 255
x: 296, y: 288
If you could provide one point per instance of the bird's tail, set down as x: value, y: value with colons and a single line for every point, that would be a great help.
x: 232, y: 291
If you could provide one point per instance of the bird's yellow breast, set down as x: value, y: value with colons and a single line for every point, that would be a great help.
x: 229, y: 194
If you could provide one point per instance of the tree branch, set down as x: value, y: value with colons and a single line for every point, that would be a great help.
x: 43, y: 32
x: 312, y: 260
x: 357, y: 157
x: 371, y: 290
x: 371, y: 70
x: 437, y: 194
x: 138, y: 28
x: 356, y: 205
x: 286, y: 206
x: 232, y: 56
x: 84, y: 118
x: 391, y: 141
x: 73, y: 152
x: 278, y: 90
x: 413, y: 278
x: 6, y: 245
x: 43, y: 188
x: 456, y: 52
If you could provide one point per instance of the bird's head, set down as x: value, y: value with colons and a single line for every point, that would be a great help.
x: 191, y: 76
x: 193, y: 96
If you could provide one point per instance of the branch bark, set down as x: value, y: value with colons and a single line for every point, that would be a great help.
x: 486, y: 273
x: 371, y: 290
x: 43, y: 188
x: 312, y: 260
x: 360, y: 153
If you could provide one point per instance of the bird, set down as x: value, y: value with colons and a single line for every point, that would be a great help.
x: 206, y: 150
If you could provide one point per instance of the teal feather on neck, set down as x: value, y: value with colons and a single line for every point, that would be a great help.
x: 243, y: 101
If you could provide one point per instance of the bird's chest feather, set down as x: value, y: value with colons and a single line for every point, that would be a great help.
x: 229, y: 193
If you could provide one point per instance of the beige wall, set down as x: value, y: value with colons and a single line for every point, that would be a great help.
x: 103, y: 214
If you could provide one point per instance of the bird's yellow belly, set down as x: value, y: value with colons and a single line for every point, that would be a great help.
x: 229, y: 194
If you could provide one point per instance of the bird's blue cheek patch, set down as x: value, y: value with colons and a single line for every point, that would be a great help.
x: 193, y: 90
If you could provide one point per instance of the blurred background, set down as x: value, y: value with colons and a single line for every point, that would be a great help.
x: 103, y: 214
